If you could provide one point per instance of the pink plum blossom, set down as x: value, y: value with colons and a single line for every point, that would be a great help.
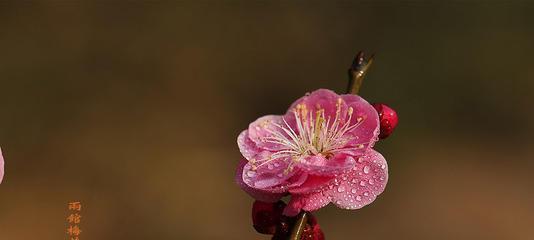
x: 1, y: 166
x: 319, y: 152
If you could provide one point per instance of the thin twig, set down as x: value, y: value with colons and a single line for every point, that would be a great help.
x: 357, y: 72
x: 299, y: 226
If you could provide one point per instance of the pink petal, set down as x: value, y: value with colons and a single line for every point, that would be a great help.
x: 247, y: 147
x: 319, y: 99
x: 308, y: 202
x: 366, y: 134
x: 319, y: 165
x: 261, y: 195
x: 272, y: 175
x: 361, y: 185
x: 263, y: 128
x: 1, y: 166
x: 312, y: 183
x: 354, y: 189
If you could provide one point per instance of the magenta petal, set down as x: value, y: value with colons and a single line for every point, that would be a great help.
x: 361, y: 185
x: 258, y: 194
x: 324, y: 99
x: 1, y: 166
x: 266, y: 176
x: 312, y: 183
x: 272, y: 175
x: 261, y: 130
x: 366, y: 134
x: 353, y: 189
x: 319, y: 165
x: 309, y: 202
x: 247, y: 147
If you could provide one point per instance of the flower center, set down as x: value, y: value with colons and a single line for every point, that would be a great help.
x: 313, y: 133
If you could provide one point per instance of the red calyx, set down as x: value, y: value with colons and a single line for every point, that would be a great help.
x: 312, y: 230
x: 388, y: 119
x: 266, y: 216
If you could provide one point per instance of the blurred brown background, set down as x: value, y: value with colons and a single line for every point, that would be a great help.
x: 133, y: 108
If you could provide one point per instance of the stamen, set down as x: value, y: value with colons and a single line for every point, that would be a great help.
x: 312, y: 134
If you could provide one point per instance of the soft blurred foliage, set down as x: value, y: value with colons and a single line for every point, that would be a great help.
x: 133, y: 108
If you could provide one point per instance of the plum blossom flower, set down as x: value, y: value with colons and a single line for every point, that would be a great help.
x: 1, y: 166
x: 319, y: 152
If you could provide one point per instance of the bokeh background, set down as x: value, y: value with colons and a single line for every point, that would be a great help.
x: 133, y: 108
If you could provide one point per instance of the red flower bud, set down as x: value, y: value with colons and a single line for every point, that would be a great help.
x: 388, y: 119
x: 266, y: 216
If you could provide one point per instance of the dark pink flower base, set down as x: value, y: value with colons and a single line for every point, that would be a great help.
x: 267, y: 218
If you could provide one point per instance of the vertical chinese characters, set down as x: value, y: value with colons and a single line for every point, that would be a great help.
x: 74, y: 219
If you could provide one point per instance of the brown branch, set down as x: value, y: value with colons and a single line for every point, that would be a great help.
x: 357, y: 72
x: 298, y: 228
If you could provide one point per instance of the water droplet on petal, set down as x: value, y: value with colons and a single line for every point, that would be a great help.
x: 270, y: 166
x: 341, y: 189
x: 366, y: 194
x: 371, y: 181
x: 353, y: 190
x: 358, y: 198
x: 366, y: 169
x: 251, y: 174
x: 362, y: 183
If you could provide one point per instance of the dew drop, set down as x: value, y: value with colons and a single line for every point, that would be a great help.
x: 362, y: 183
x: 366, y: 169
x: 358, y: 198
x: 371, y: 181
x: 366, y: 194
x: 360, y: 159
x: 353, y: 190
x: 251, y: 174
x: 341, y: 189
x: 270, y: 166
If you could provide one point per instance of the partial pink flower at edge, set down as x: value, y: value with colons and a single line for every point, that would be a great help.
x: 1, y: 166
